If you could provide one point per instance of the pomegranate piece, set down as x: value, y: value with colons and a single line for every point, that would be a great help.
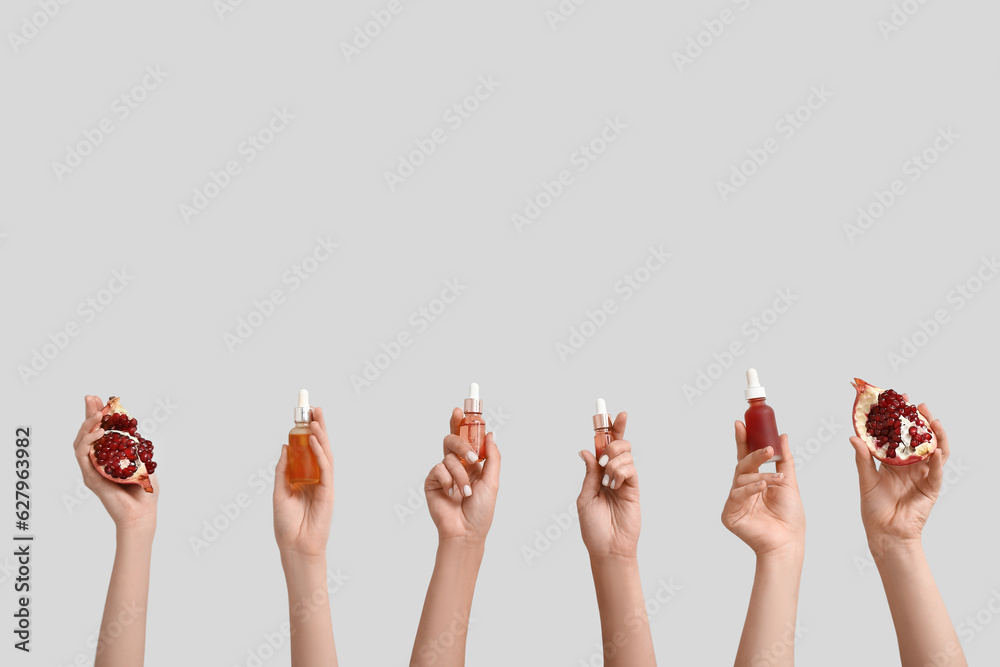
x: 894, y: 430
x: 122, y: 455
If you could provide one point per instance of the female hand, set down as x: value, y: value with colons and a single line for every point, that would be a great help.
x: 609, y: 500
x: 764, y: 509
x: 897, y: 500
x: 130, y: 507
x: 302, y: 512
x: 461, y: 496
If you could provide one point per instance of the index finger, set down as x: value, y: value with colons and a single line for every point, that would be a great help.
x: 456, y: 420
x: 460, y: 447
x: 618, y: 426
x: 742, y: 447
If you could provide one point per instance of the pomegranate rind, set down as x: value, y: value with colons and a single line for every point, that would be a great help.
x: 140, y: 476
x: 867, y: 396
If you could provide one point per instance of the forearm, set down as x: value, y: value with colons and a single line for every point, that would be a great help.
x: 923, y: 629
x: 444, y: 621
x: 310, y: 625
x: 769, y: 629
x: 624, y: 622
x: 122, y: 638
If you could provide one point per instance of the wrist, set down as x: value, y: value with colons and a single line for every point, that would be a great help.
x: 299, y: 561
x: 134, y: 533
x: 786, y: 555
x: 887, y: 549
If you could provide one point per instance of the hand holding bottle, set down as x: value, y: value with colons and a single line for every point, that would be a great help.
x: 764, y: 509
x: 129, y: 506
x: 461, y: 496
x: 609, y: 500
x: 302, y: 512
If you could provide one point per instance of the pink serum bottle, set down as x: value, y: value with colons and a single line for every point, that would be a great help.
x: 762, y: 430
x: 473, y: 426
x: 602, y: 429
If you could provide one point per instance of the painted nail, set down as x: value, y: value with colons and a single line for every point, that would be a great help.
x: 613, y: 483
x: 777, y: 475
x: 472, y: 457
x: 451, y: 491
x: 467, y: 490
x: 604, y: 461
x: 582, y: 458
x: 605, y: 481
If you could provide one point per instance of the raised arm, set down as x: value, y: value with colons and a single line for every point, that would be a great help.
x: 896, y: 502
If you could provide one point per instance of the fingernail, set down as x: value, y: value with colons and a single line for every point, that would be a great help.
x: 605, y: 481
x: 777, y: 475
x: 613, y: 483
x: 451, y: 491
x: 467, y: 490
x: 603, y: 461
x: 581, y: 457
x: 472, y: 457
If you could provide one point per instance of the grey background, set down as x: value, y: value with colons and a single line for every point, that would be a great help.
x: 162, y: 337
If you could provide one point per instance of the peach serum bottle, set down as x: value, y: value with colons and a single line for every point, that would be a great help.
x: 473, y: 426
x: 302, y: 465
x: 602, y: 429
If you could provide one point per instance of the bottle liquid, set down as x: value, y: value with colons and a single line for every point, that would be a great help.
x: 473, y: 426
x: 302, y: 465
x: 762, y: 430
x: 602, y: 428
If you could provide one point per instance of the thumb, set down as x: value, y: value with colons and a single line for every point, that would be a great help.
x: 867, y: 474
x: 592, y: 478
x: 280, y: 474
x: 491, y: 467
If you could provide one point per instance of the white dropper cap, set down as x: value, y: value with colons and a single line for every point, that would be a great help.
x: 753, y: 390
x: 602, y: 419
x: 303, y: 413
x: 472, y: 403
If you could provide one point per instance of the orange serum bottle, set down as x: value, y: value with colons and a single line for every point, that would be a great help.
x: 602, y: 429
x: 473, y: 426
x: 762, y: 430
x: 302, y: 465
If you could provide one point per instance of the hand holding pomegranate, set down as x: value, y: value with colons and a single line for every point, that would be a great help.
x: 461, y: 496
x: 608, y: 503
x: 764, y: 509
x: 130, y: 506
x: 302, y: 513
x: 897, y: 500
